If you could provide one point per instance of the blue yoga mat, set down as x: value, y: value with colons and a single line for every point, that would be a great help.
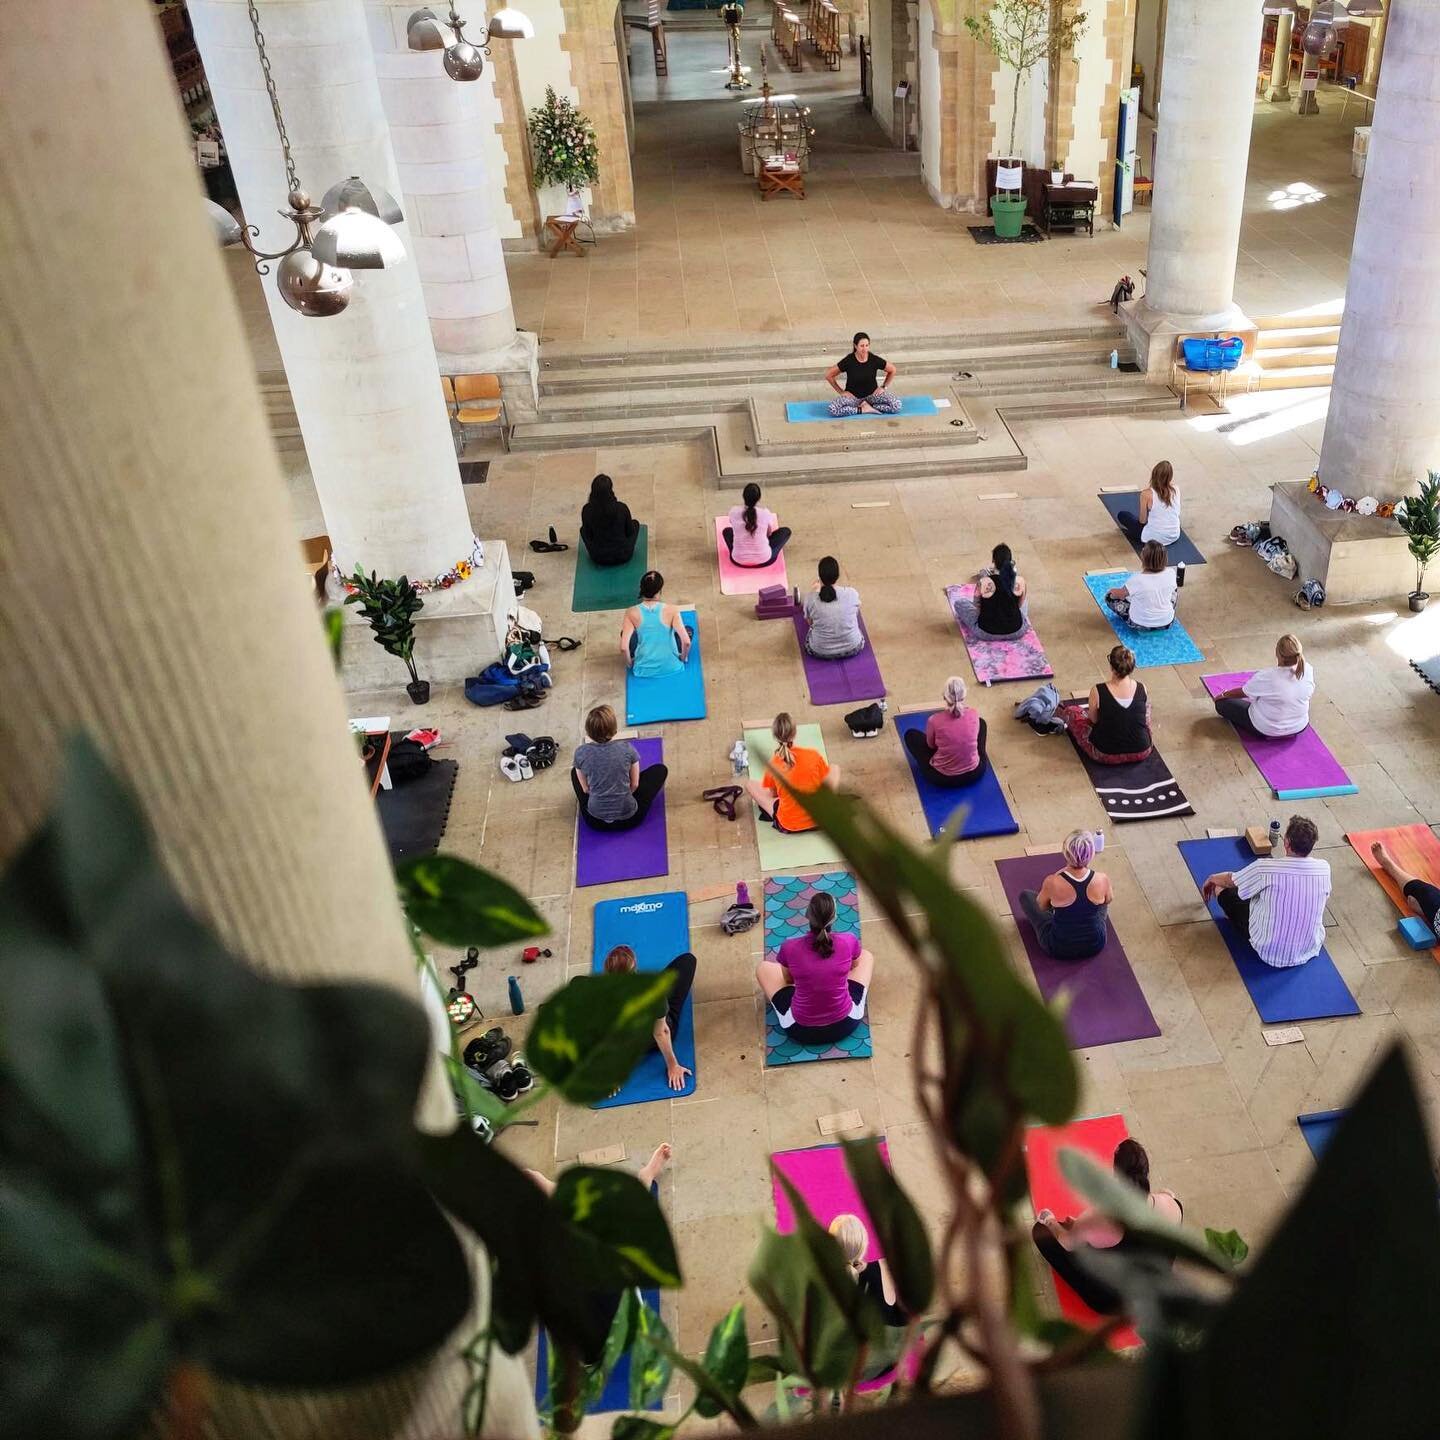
x: 797, y: 411
x: 986, y: 810
x: 1183, y: 549
x: 1312, y: 991
x: 1319, y: 1128
x: 657, y: 929
x: 1152, y: 647
x: 616, y: 1394
x: 680, y: 696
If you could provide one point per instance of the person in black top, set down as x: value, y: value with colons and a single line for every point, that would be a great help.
x: 874, y: 1277
x: 998, y: 606
x: 867, y: 382
x: 1114, y: 727
x: 606, y: 525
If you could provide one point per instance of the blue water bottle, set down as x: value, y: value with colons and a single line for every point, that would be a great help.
x: 517, y: 1000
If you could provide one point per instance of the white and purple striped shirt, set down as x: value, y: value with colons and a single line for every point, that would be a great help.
x: 1287, y: 907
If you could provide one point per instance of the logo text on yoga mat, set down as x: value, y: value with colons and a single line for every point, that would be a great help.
x: 642, y: 907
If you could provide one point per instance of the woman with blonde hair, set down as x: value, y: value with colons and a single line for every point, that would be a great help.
x: 951, y: 750
x: 1159, y: 517
x: 804, y: 770
x: 1274, y: 702
x: 872, y: 1276
x: 1070, y: 910
x: 1114, y: 727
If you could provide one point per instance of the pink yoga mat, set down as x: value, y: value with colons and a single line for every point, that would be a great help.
x: 819, y: 1174
x: 741, y: 579
x: 1015, y: 657
x: 1295, y: 767
x: 838, y: 682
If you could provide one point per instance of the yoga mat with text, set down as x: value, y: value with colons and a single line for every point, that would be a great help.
x: 984, y: 803
x: 1182, y: 549
x: 840, y: 682
x: 1013, y: 657
x: 609, y: 587
x: 1104, y: 1002
x: 1152, y: 647
x: 1138, y: 790
x: 779, y: 851
x: 603, y: 857
x: 681, y: 696
x: 800, y: 411
x: 744, y: 579
x: 1415, y: 849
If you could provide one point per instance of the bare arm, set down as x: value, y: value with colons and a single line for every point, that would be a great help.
x: 682, y: 635
x: 887, y: 1282
x: 627, y: 629
x: 675, y: 1072
x: 1146, y: 496
x: 889, y: 376
x: 831, y: 375
x: 634, y: 777
x: 1221, y: 880
x: 1094, y: 708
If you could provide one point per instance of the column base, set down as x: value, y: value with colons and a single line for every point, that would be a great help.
x: 1306, y: 103
x: 1278, y: 92
x: 516, y: 363
x: 1152, y: 333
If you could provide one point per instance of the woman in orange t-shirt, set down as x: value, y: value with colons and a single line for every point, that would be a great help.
x: 804, y: 769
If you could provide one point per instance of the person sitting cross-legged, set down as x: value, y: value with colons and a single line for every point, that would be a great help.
x: 804, y: 770
x: 832, y: 612
x: 867, y: 382
x: 754, y: 537
x: 1113, y: 728
x: 1070, y: 910
x: 1147, y: 599
x: 950, y: 751
x: 611, y: 789
x: 607, y: 528
x: 654, y: 638
x: 817, y: 983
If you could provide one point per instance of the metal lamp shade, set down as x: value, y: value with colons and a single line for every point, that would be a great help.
x: 225, y: 226
x: 357, y: 240
x: 423, y: 31
x: 354, y: 193
x: 1364, y: 9
x: 312, y: 287
x: 510, y: 25
x: 464, y: 61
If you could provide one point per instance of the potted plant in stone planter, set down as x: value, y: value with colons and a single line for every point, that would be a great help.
x: 391, y: 606
x: 563, y: 147
x: 1021, y: 33
x: 1419, y: 517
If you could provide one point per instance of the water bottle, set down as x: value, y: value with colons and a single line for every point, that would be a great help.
x: 517, y: 1000
x: 742, y: 893
x: 1180, y: 576
x: 1114, y: 359
x: 1274, y: 837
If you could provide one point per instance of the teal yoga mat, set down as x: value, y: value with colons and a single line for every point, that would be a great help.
x: 801, y: 411
x: 1152, y: 647
x: 609, y: 587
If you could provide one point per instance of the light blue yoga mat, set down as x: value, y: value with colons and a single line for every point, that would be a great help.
x: 984, y: 801
x: 1152, y: 647
x: 657, y: 929
x: 798, y: 411
x: 680, y: 696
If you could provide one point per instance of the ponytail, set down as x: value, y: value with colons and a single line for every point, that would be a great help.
x: 751, y: 496
x: 1291, y: 655
x: 829, y: 570
x: 1133, y: 1164
x: 820, y: 916
x: 1004, y: 563
x: 784, y: 732
x: 853, y: 1239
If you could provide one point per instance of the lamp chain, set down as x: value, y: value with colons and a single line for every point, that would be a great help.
x: 294, y: 180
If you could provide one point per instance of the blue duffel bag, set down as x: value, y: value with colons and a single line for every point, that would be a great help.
x: 1213, y: 354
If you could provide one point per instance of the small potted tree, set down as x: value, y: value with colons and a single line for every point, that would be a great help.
x: 1419, y: 518
x: 1021, y: 33
x: 391, y: 606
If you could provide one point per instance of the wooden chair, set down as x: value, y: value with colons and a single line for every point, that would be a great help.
x: 652, y: 23
x: 825, y: 32
x: 476, y: 400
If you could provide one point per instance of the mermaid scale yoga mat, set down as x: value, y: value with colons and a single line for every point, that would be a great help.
x: 839, y: 682
x: 798, y: 411
x: 1415, y: 849
x: 1296, y: 767
x: 603, y: 857
x: 1049, y: 1190
x: 744, y: 579
x: 1142, y: 790
x: 779, y: 851
x: 986, y: 811
x: 786, y: 897
x: 1182, y: 549
x: 680, y: 696
x: 1312, y: 991
x: 609, y: 587
x: 1152, y: 647
x: 1104, y: 1001
x: 1016, y: 657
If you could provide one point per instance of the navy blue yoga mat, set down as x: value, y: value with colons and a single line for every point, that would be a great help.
x: 1183, y: 549
x: 1312, y: 991
x: 802, y: 410
x: 657, y: 929
x: 1318, y: 1129
x: 986, y: 810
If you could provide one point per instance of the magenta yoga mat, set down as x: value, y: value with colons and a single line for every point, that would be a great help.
x: 819, y: 1174
x: 838, y: 682
x: 1106, y: 1003
x: 605, y: 856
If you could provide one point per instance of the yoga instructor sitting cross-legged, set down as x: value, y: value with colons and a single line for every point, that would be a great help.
x: 867, y: 382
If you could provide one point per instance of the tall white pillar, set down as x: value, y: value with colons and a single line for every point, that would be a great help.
x: 1375, y: 50
x: 1383, y: 429
x: 1203, y: 151
x: 1279, y: 88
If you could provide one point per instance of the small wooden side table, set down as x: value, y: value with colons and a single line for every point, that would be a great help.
x: 563, y: 228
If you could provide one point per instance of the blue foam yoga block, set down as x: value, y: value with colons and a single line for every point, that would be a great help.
x: 1418, y: 935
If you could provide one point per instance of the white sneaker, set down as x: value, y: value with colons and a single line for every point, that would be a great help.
x: 510, y: 766
x: 527, y: 770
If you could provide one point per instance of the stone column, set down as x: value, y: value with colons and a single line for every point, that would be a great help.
x: 1210, y: 54
x: 443, y: 135
x: 1383, y: 429
x: 1279, y: 88
x: 1375, y: 50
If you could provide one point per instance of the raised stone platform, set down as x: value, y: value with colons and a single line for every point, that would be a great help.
x: 776, y: 435
x: 1355, y: 557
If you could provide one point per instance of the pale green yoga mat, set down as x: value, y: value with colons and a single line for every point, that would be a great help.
x: 777, y: 851
x: 609, y: 587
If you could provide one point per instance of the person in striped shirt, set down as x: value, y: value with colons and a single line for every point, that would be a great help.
x: 1278, y: 903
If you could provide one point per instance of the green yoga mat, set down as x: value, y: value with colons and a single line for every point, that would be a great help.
x: 777, y: 851
x: 609, y: 587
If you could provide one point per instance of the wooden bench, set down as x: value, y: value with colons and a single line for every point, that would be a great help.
x: 1218, y: 384
x: 825, y: 32
x: 786, y: 31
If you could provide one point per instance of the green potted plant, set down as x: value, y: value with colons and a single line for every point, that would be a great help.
x: 1021, y: 33
x: 563, y: 147
x: 1419, y: 518
x: 391, y: 606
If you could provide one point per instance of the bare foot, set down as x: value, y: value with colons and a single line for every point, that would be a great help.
x: 1384, y: 858
x: 655, y: 1164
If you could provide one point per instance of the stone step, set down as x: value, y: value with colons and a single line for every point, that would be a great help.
x: 1298, y: 335
x: 1290, y: 322
x: 1298, y: 377
x: 1301, y: 355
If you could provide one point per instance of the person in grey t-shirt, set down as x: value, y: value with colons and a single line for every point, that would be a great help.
x: 613, y: 792
x: 833, y: 612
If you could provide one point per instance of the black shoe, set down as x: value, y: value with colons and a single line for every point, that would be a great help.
x: 521, y: 1071
x: 503, y: 1080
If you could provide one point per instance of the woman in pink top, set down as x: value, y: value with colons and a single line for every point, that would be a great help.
x: 754, y: 537
x: 951, y: 752
x: 817, y: 983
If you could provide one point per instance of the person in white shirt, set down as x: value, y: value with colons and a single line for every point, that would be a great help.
x: 1274, y: 702
x: 1278, y: 903
x: 1147, y: 599
x: 1159, y: 517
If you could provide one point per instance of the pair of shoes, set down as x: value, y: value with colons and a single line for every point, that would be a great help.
x: 527, y: 697
x: 867, y: 721
x: 483, y: 1052
x: 524, y: 580
x: 565, y: 643
x: 551, y: 546
x: 515, y: 765
x: 509, y: 1078
x: 723, y: 798
x: 542, y: 752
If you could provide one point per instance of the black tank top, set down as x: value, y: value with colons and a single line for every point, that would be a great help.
x: 1120, y: 729
x: 1078, y: 930
x: 999, y: 614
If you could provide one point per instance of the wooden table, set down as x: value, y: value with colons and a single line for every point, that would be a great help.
x: 563, y: 228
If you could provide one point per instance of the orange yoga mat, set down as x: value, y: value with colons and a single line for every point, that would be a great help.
x: 1415, y: 849
x: 1049, y: 1190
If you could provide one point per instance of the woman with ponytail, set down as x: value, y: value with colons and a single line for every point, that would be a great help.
x: 804, y: 770
x: 833, y: 613
x: 1273, y: 702
x: 754, y: 537
x: 873, y: 1277
x: 654, y: 639
x: 817, y: 982
x: 998, y: 606
x: 607, y: 528
x: 951, y: 749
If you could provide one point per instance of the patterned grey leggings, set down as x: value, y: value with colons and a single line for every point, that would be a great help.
x: 883, y: 402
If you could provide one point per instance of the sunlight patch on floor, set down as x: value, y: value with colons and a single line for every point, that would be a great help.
x: 1261, y: 415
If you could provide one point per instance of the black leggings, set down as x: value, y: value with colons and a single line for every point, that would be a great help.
x: 1237, y: 911
x: 1129, y: 522
x: 683, y: 968
x: 917, y: 745
x: 1237, y: 712
x: 777, y: 544
x: 1102, y: 1298
x: 1427, y: 897
x: 652, y: 778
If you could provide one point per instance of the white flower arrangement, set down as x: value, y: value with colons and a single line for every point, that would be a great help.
x: 562, y: 144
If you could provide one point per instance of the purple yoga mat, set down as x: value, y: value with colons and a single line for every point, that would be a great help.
x: 1106, y: 1003
x: 603, y: 857
x: 1294, y: 766
x: 837, y: 682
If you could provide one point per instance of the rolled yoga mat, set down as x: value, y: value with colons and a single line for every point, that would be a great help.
x: 800, y: 411
x: 986, y: 810
x: 1296, y: 767
x: 1312, y: 991
x: 1182, y: 549
x: 1015, y: 657
x: 1415, y: 849
x: 1139, y: 790
x: 1104, y: 1002
x: 1319, y: 1128
x: 779, y: 851
x: 603, y: 857
x: 681, y: 696
x: 609, y: 587
x: 840, y: 682
x: 657, y: 929
x: 744, y: 579
x: 1152, y: 647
